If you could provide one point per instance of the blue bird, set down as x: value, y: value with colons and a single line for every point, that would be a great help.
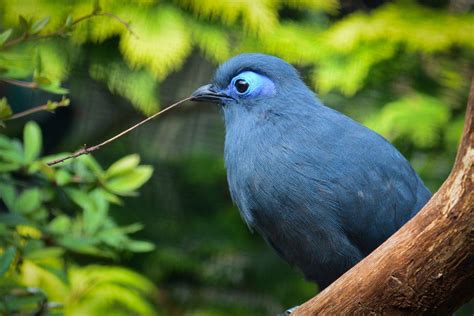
x: 322, y: 190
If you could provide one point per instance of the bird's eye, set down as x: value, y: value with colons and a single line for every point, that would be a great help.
x: 241, y: 86
x: 249, y: 84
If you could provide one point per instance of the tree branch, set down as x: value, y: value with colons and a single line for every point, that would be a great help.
x: 24, y: 84
x: 87, y: 150
x: 50, y: 106
x: 63, y: 30
x: 427, y: 267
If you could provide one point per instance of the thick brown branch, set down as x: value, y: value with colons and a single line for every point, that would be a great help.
x: 86, y: 150
x: 427, y: 267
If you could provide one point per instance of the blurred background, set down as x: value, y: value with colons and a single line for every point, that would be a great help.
x: 402, y: 68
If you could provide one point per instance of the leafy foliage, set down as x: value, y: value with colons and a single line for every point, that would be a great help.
x: 53, y: 213
x: 403, y: 68
x: 93, y: 289
x: 342, y: 53
x: 417, y: 118
x: 362, y: 40
x: 138, y: 86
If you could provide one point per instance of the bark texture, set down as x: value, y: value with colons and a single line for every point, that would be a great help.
x: 427, y: 267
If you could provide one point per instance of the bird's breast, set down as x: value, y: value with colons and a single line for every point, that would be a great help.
x: 258, y: 170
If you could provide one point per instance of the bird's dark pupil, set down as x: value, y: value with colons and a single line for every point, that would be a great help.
x: 241, y: 85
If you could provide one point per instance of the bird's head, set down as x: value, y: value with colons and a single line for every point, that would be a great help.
x: 252, y: 81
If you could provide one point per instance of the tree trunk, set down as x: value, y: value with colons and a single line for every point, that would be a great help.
x: 427, y: 267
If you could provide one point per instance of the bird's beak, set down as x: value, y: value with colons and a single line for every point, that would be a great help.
x: 208, y: 94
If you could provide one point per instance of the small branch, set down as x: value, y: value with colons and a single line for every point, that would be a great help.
x: 121, y: 21
x: 87, y: 150
x: 27, y: 112
x: 24, y: 84
x: 63, y: 30
x: 108, y: 14
x: 15, y: 40
x: 50, y: 106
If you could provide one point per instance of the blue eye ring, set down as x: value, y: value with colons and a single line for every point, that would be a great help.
x: 241, y: 86
x: 250, y: 84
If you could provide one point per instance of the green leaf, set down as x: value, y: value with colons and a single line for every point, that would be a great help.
x: 123, y: 165
x: 81, y: 198
x: 92, y: 165
x: 81, y: 170
x: 34, y: 167
x: 6, y: 259
x: 4, y: 36
x: 40, y: 214
x: 60, y: 225
x: 62, y: 177
x: 54, y: 87
x: 68, y: 22
x: 33, y: 141
x: 39, y: 25
x: 7, y: 194
x: 82, y: 245
x: 5, y: 109
x: 4, y: 142
x: 24, y: 24
x: 41, y: 80
x: 132, y: 228
x: 26, y: 301
x: 44, y: 253
x: 140, y: 246
x: 113, y: 237
x: 13, y: 219
x: 95, y: 218
x: 59, y: 273
x: 28, y: 201
x: 53, y: 105
x: 111, y: 198
x: 12, y: 154
x: 9, y: 166
x: 130, y: 181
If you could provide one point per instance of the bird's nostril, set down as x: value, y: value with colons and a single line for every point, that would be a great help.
x: 207, y: 93
x: 206, y: 89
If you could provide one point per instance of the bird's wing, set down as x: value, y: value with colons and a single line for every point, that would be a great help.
x: 375, y: 188
x: 345, y: 173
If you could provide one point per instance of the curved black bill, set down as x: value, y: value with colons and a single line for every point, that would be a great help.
x: 207, y: 94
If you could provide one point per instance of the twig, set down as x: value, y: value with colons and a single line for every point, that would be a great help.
x: 122, y: 21
x: 63, y: 29
x: 27, y: 112
x: 24, y: 84
x: 111, y: 15
x: 50, y: 106
x: 14, y: 41
x: 87, y: 150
